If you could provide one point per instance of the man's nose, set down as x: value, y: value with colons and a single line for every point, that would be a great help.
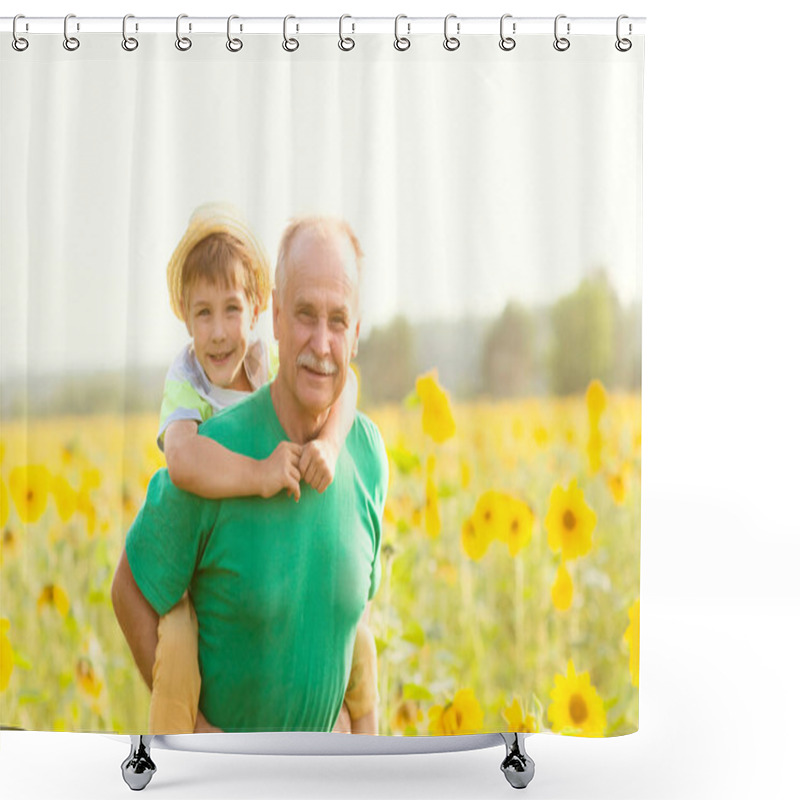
x: 320, y: 342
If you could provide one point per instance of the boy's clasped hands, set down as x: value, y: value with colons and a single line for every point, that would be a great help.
x: 289, y: 463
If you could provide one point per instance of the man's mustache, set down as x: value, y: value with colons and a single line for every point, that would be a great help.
x: 311, y: 362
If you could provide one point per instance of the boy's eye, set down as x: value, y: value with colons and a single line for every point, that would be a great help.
x: 234, y: 308
x: 203, y: 312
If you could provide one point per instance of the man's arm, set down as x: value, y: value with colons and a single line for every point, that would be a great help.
x: 137, y: 618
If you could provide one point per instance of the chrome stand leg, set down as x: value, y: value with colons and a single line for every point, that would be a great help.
x: 518, y: 766
x: 138, y: 768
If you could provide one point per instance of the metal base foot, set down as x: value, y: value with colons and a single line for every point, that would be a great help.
x: 517, y: 766
x: 138, y: 768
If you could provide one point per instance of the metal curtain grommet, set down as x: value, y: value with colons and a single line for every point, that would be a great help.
x: 561, y: 43
x: 233, y: 44
x: 289, y: 45
x: 183, y: 43
x: 623, y: 45
x: 19, y: 43
x: 70, y: 42
x: 451, y: 42
x: 129, y: 43
x: 346, y: 43
x: 401, y: 43
x: 506, y: 42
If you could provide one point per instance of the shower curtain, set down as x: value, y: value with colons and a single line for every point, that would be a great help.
x: 487, y: 488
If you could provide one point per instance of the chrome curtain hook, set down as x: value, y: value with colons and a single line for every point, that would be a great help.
x: 451, y: 42
x: 506, y: 42
x: 181, y: 42
x: 623, y: 45
x: 19, y: 43
x: 561, y: 43
x: 346, y: 42
x: 401, y: 42
x: 289, y: 45
x: 129, y: 43
x: 70, y: 42
x: 233, y: 44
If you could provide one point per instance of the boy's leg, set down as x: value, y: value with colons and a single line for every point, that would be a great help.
x: 361, y: 696
x: 176, y: 674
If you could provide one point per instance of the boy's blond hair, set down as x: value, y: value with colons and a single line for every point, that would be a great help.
x: 215, y: 239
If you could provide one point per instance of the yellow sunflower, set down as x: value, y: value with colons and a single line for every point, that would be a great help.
x: 490, y: 517
x: 66, y: 497
x: 407, y: 716
x: 437, y: 417
x: 9, y: 544
x: 594, y: 450
x: 632, y: 638
x: 520, y: 525
x: 474, y: 539
x: 617, y: 484
x: 561, y: 590
x: 90, y: 685
x: 596, y: 400
x: 577, y: 708
x: 53, y: 596
x: 4, y: 504
x: 29, y: 487
x: 85, y: 505
x: 541, y: 435
x: 466, y: 474
x: 462, y: 715
x: 518, y: 721
x: 569, y: 522
x: 87, y: 679
x: 433, y: 520
x: 6, y: 655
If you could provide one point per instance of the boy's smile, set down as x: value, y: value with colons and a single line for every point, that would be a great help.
x: 219, y: 320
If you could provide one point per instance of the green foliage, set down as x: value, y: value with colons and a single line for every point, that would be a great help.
x: 387, y: 362
x: 508, y: 360
x: 584, y: 326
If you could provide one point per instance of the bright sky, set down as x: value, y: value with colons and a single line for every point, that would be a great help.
x: 470, y: 181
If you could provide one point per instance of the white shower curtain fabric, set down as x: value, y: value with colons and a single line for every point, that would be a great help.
x: 496, y: 197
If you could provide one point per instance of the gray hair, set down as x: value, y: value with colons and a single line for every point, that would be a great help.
x: 321, y: 227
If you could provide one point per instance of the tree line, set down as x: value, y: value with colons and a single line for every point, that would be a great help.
x: 555, y: 349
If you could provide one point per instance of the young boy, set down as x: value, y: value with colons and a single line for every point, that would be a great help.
x: 218, y: 281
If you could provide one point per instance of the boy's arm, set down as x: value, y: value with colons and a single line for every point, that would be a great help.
x: 204, y: 467
x: 318, y: 462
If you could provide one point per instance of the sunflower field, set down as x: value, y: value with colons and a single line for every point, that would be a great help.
x: 510, y: 591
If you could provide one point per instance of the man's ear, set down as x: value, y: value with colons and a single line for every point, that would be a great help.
x: 275, y: 314
x: 354, y: 352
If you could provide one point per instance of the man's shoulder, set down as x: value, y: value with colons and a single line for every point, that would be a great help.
x: 368, y: 449
x: 367, y: 431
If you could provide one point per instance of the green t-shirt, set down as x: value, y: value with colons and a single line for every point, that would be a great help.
x: 278, y: 586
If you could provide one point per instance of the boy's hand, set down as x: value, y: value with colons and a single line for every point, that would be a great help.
x: 281, y: 470
x: 318, y: 463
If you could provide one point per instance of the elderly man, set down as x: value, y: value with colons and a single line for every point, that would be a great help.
x: 278, y: 586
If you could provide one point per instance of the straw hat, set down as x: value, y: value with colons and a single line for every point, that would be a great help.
x: 216, y: 218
